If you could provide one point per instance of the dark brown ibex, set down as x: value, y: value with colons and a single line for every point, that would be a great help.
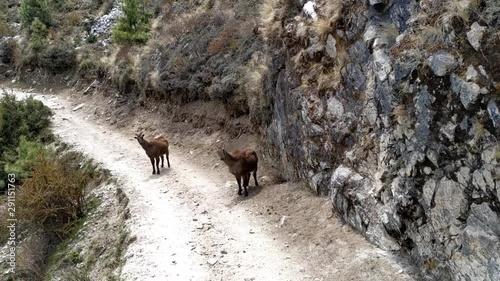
x: 155, y: 148
x: 241, y: 163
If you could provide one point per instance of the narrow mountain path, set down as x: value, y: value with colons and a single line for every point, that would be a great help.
x: 189, y: 223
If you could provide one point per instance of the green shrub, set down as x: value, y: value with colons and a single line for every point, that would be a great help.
x: 26, y: 153
x: 91, y: 38
x: 58, y: 57
x: 31, y: 9
x: 28, y: 118
x: 134, y: 26
x: 38, y: 35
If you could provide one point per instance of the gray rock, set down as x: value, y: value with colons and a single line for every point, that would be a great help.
x: 316, y: 181
x: 301, y: 30
x: 494, y: 113
x: 370, y: 33
x: 370, y: 113
x: 315, y: 130
x: 428, y: 192
x: 212, y: 261
x: 475, y: 35
x: 335, y: 109
x: 330, y: 48
x: 471, y: 74
x: 340, y: 176
x: 106, y: 22
x: 488, y: 179
x: 442, y: 63
x: 488, y: 155
x: 354, y: 77
x: 463, y: 176
x: 469, y: 93
x: 383, y: 65
x: 449, y: 204
x: 449, y: 131
x: 483, y: 72
x: 478, y: 180
x: 80, y: 106
x: 309, y: 9
x: 344, y: 127
x: 433, y: 156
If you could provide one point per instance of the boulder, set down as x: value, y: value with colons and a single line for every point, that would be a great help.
x: 442, y: 63
x: 475, y: 35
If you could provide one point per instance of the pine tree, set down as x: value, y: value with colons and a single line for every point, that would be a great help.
x: 31, y: 9
x: 38, y: 35
x: 133, y: 27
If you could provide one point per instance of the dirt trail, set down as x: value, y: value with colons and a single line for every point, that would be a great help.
x: 191, y: 225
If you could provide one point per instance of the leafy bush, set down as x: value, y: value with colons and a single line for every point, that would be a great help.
x: 58, y: 57
x: 134, y: 26
x: 31, y: 9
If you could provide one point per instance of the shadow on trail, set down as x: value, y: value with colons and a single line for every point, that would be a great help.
x: 252, y: 192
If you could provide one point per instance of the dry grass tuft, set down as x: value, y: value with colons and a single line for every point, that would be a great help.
x: 399, y: 111
x: 333, y: 11
x: 268, y: 11
x: 322, y: 27
x: 342, y: 55
x: 253, y: 75
x: 329, y: 80
x: 154, y: 80
x: 300, y: 58
x: 478, y: 131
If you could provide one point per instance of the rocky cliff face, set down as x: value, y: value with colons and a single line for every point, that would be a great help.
x: 392, y: 109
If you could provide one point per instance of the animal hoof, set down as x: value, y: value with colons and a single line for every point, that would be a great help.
x: 246, y: 193
x: 239, y: 192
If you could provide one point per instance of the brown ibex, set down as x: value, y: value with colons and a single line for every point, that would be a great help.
x: 155, y: 149
x: 241, y: 163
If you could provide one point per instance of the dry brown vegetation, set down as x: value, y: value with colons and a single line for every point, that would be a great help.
x: 53, y: 197
x: 227, y: 38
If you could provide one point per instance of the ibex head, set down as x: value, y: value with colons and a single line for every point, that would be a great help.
x: 140, y: 138
x: 222, y: 153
